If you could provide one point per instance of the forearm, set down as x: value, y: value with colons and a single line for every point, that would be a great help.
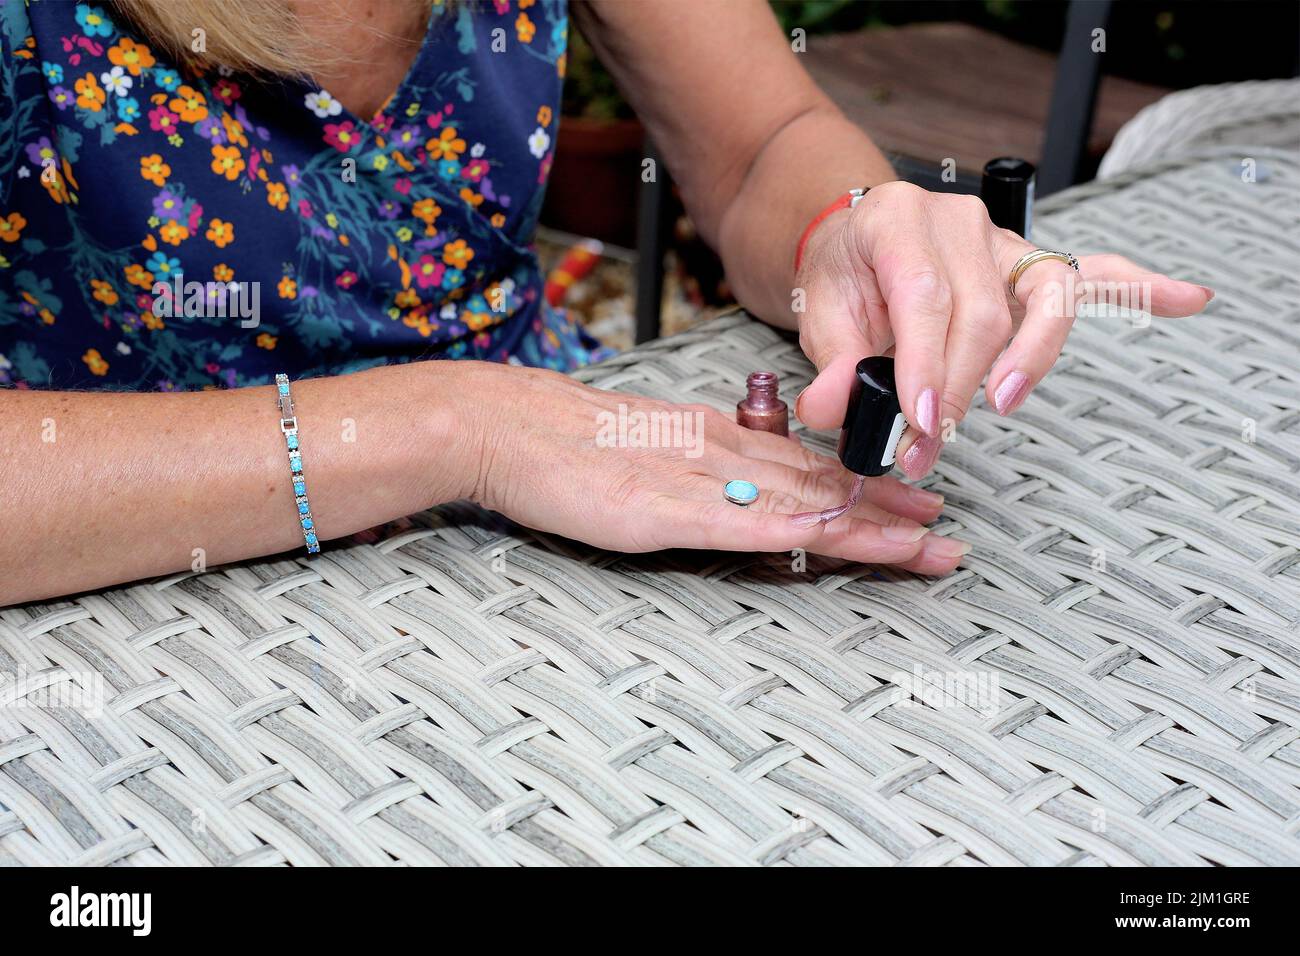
x: 756, y: 148
x: 102, y: 488
x: 815, y: 158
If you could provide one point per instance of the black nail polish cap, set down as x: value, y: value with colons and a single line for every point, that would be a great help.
x: 1007, y: 188
x: 874, y: 421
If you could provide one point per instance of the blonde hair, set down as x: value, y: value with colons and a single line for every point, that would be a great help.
x: 260, y: 37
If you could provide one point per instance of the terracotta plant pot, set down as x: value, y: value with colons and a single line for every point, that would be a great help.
x: 594, y: 182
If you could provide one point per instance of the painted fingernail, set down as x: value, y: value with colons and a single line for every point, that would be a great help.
x: 923, y: 498
x: 798, y: 402
x: 927, y: 412
x: 941, y: 547
x: 1011, y: 393
x: 920, y: 458
x: 905, y: 533
x: 1209, y: 293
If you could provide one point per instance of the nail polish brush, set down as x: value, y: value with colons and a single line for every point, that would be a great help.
x: 873, y: 425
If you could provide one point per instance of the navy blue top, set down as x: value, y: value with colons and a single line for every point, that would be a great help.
x: 299, y: 237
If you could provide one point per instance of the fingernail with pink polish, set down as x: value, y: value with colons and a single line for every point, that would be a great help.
x: 927, y: 412
x: 1209, y: 293
x: 920, y: 458
x: 1011, y: 393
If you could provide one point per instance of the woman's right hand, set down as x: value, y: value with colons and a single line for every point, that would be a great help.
x: 553, y: 457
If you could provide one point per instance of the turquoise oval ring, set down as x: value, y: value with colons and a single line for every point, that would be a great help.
x: 741, y: 493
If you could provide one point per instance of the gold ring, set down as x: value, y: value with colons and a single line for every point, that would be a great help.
x: 1038, y: 255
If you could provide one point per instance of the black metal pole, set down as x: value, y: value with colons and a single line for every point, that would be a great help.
x: 650, y: 222
x: 1074, y: 97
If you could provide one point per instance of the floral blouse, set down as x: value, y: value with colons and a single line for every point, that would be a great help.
x: 165, y: 230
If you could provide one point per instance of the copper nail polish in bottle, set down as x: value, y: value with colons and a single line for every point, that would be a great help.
x: 761, y: 410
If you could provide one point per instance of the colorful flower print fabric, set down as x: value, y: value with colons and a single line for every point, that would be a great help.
x: 161, y: 230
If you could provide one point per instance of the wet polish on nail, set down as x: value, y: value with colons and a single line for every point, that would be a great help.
x: 873, y: 425
x: 807, y: 519
x: 1011, y: 393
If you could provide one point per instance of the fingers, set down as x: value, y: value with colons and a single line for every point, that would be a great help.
x: 834, y: 339
x: 1156, y: 293
x: 1048, y: 291
x: 835, y: 330
x: 885, y: 492
x: 886, y: 526
x: 757, y: 444
x: 883, y: 500
x: 887, y: 521
x: 900, y: 498
x: 725, y: 527
x: 920, y: 298
x: 917, y: 454
x: 1049, y: 316
x: 938, y: 556
x: 974, y: 336
x: 818, y: 481
x: 851, y: 538
x: 1051, y: 292
x: 980, y: 328
x: 963, y: 246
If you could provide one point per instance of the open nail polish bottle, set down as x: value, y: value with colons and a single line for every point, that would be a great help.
x: 761, y: 410
x: 874, y: 421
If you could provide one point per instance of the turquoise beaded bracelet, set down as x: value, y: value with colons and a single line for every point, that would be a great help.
x: 289, y: 426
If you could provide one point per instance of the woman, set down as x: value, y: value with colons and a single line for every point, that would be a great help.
x: 351, y: 187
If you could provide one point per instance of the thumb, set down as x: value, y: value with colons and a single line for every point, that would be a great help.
x: 835, y: 340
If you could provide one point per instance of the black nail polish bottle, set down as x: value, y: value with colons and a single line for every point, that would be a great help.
x: 874, y: 421
x: 1007, y: 188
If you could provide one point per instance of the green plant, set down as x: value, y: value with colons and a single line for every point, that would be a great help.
x: 816, y: 15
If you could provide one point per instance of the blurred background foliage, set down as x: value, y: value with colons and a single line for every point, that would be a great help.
x: 1175, y: 43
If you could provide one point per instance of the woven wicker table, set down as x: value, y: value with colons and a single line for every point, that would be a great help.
x: 457, y: 690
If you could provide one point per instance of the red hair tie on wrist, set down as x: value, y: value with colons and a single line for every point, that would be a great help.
x: 847, y: 201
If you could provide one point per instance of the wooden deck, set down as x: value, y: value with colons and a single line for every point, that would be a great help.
x: 936, y: 90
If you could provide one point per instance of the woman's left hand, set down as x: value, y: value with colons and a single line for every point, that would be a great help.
x: 925, y: 274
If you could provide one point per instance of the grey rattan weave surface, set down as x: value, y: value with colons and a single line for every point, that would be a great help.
x: 460, y: 691
x: 1258, y: 113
